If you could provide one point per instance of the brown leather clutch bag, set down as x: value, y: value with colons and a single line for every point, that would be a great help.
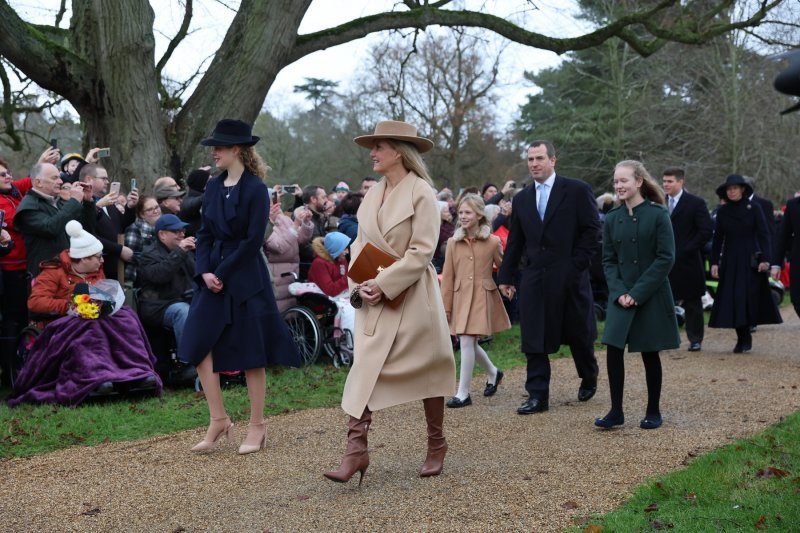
x: 370, y: 262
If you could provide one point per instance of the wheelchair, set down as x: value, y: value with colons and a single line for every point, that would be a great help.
x: 312, y: 325
x: 25, y: 340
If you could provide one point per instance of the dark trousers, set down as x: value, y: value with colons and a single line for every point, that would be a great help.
x: 537, y: 382
x: 694, y: 319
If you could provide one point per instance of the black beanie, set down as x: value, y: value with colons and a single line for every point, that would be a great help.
x: 197, y: 179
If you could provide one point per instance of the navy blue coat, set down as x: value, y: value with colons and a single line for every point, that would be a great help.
x: 788, y: 246
x: 556, y: 304
x: 692, y: 227
x: 241, y: 325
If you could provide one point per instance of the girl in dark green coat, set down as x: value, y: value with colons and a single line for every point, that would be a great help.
x: 638, y: 254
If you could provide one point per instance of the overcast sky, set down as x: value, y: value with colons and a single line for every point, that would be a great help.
x: 212, y: 17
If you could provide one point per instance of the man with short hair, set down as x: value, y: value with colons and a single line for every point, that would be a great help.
x: 692, y: 227
x: 110, y: 221
x: 554, y: 226
x: 42, y: 216
x: 366, y: 184
x: 316, y: 200
x: 166, y: 276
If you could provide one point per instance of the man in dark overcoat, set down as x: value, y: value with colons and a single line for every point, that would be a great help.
x: 787, y: 246
x: 554, y: 231
x: 692, y: 227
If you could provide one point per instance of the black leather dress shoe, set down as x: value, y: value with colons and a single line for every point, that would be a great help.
x: 587, y: 390
x: 609, y: 421
x: 532, y: 406
x: 742, y: 347
x: 492, y: 388
x: 455, y: 402
x: 695, y: 347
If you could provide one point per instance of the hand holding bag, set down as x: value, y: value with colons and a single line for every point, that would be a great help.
x: 371, y: 262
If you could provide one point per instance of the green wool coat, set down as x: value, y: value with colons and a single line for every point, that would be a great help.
x: 638, y: 254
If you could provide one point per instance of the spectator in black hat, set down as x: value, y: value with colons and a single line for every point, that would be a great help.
x: 190, y: 208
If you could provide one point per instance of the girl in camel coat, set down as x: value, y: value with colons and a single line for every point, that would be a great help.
x: 471, y: 299
x: 402, y: 354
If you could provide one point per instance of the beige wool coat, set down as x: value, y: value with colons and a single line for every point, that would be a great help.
x: 402, y: 354
x: 472, y: 302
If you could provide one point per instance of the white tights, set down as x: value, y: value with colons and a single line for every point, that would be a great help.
x: 470, y: 350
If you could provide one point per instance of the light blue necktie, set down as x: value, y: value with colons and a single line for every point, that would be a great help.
x: 541, y: 190
x: 671, y: 204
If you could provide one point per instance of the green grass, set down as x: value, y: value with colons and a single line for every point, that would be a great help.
x: 33, y: 429
x: 752, y: 484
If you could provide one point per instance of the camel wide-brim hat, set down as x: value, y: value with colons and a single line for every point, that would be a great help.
x: 397, y: 130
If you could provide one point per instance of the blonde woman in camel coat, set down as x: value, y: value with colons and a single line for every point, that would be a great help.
x: 471, y: 299
x: 403, y: 354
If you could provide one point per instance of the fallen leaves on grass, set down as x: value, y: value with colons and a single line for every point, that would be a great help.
x: 651, y: 508
x: 592, y: 528
x: 771, y: 471
x: 761, y: 523
x: 691, y: 496
x: 659, y: 525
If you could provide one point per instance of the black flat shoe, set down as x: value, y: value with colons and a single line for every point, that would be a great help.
x: 609, y: 421
x: 104, y: 389
x: 492, y: 388
x: 651, y: 422
x: 454, y: 402
x: 587, y: 390
x: 695, y: 347
x: 532, y: 406
x: 742, y: 347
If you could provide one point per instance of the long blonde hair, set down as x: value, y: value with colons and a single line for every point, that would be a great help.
x: 252, y: 161
x: 476, y: 203
x: 411, y: 159
x: 650, y: 189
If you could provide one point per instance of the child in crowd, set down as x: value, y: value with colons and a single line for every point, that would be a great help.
x: 471, y: 299
x: 329, y: 267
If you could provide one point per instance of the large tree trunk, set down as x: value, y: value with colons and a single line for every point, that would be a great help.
x: 239, y: 77
x: 120, y: 106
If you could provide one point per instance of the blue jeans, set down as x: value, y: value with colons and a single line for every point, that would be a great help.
x: 175, y: 318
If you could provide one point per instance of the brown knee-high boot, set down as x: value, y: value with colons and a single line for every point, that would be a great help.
x: 437, y: 445
x: 356, y: 457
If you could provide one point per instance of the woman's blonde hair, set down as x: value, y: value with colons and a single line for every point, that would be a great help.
x: 650, y: 189
x: 411, y: 159
x: 252, y: 161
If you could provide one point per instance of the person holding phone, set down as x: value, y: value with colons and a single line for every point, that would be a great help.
x: 233, y: 321
x: 111, y: 222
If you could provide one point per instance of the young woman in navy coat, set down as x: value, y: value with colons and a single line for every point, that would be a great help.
x: 234, y: 323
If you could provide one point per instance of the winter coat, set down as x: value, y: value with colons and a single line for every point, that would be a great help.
x: 329, y: 274
x: 787, y: 246
x: 638, y: 254
x: 43, y: 225
x: 282, y: 250
x: 110, y: 224
x: 555, y: 295
x: 240, y: 325
x: 138, y: 236
x: 472, y: 301
x: 53, y: 287
x: 403, y: 354
x: 742, y: 237
x: 692, y: 228
x: 165, y: 277
x: 9, y: 201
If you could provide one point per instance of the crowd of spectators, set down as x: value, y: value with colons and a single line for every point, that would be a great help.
x: 148, y: 239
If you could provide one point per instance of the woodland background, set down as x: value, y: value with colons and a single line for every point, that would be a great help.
x: 708, y: 107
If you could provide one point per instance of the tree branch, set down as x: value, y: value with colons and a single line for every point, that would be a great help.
x: 44, y: 59
x: 61, y: 10
x: 7, y: 111
x: 183, y: 31
x: 427, y: 15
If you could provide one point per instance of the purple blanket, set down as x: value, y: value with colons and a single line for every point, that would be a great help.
x: 73, y: 356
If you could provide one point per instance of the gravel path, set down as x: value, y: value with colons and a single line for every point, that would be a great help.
x: 504, y: 471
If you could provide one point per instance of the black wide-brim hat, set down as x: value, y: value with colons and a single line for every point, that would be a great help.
x: 231, y: 132
x: 734, y: 179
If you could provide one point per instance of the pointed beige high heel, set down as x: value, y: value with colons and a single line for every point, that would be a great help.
x: 208, y: 444
x: 251, y: 448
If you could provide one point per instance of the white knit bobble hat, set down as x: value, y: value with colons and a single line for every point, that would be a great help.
x: 81, y: 243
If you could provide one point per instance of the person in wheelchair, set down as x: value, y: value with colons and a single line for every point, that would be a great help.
x: 165, y: 278
x: 329, y: 267
x: 80, y: 354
